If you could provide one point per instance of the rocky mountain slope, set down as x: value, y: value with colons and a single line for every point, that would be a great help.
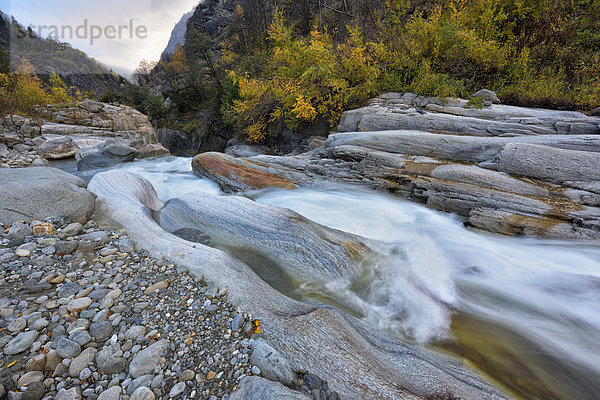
x: 47, y: 56
x: 178, y: 34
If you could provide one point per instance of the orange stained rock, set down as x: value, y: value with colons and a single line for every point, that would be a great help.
x: 242, y: 171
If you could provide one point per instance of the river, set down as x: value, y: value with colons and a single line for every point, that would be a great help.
x: 524, y: 311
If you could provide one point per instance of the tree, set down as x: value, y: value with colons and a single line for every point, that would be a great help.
x: 142, y: 73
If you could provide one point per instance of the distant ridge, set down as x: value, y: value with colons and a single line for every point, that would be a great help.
x: 48, y: 55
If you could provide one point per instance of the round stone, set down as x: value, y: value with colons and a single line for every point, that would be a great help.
x: 114, y: 393
x: 22, y: 253
x: 177, y: 389
x: 35, y: 391
x: 29, y: 378
x: 21, y: 343
x: 143, y: 393
x: 78, y: 305
x: 67, y: 348
x: 17, y: 325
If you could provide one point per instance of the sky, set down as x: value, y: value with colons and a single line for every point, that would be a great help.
x: 118, y: 33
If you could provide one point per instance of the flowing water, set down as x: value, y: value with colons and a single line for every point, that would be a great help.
x: 525, y: 311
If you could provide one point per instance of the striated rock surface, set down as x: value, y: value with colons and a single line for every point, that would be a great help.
x: 257, y: 388
x: 395, y: 111
x: 40, y: 193
x: 304, y: 249
x: 543, y: 183
x: 356, y: 361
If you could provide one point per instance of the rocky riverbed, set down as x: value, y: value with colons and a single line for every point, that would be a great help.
x: 83, y: 314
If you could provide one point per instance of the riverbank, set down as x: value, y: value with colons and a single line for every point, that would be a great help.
x: 86, y: 314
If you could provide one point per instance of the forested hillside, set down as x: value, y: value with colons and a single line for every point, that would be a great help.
x: 291, y: 63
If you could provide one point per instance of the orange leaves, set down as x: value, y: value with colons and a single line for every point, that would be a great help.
x: 178, y: 64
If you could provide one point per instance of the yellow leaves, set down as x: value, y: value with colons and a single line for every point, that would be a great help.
x: 303, y: 110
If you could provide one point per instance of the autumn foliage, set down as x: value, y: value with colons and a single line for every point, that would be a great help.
x: 531, y: 52
x: 22, y: 91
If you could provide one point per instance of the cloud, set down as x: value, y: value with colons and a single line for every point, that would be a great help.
x: 107, y: 24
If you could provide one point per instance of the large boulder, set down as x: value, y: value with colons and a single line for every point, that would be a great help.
x: 356, y: 360
x: 58, y: 148
x: 486, y: 95
x: 40, y: 193
x: 105, y: 155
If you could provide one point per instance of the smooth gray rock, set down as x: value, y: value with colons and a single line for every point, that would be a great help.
x: 309, y: 334
x: 71, y: 230
x: 142, y: 381
x: 101, y: 330
x: 71, y: 394
x: 272, y: 364
x: 454, y: 147
x: 110, y: 360
x: 40, y: 193
x: 58, y: 148
x: 113, y: 393
x: 67, y: 348
x: 177, y: 390
x: 143, y: 393
x: 19, y: 230
x: 549, y: 164
x: 21, y: 343
x: 35, y: 391
x: 486, y: 95
x: 451, y: 116
x: 145, y: 360
x: 257, y: 388
x: 81, y: 361
x: 105, y: 155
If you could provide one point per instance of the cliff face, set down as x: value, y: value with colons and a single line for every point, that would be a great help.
x: 47, y: 56
x: 178, y: 34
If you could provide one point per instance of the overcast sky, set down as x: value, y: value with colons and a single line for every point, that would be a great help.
x: 151, y: 20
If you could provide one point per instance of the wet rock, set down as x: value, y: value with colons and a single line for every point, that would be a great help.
x: 232, y: 220
x: 105, y: 155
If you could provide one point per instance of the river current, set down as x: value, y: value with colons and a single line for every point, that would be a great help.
x: 524, y: 311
